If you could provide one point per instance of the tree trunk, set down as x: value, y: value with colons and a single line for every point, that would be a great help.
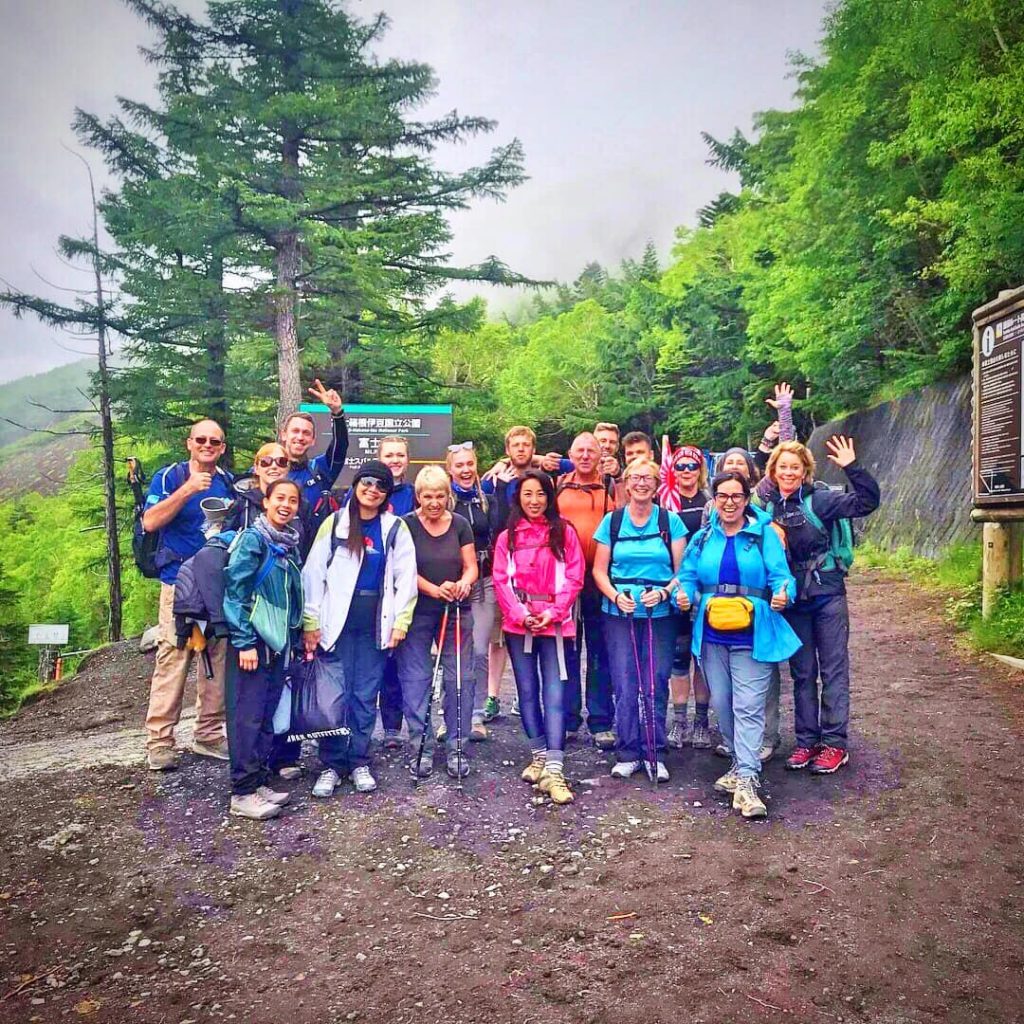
x: 217, y: 349
x: 287, y: 261
x: 107, y: 439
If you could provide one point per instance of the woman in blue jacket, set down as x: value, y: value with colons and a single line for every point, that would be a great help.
x: 263, y: 610
x: 735, y: 572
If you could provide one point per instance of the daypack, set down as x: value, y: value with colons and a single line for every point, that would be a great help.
x: 607, y: 485
x: 664, y: 531
x: 840, y: 555
x: 389, y: 540
x: 144, y: 545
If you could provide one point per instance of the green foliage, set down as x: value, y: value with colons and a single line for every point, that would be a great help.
x: 56, y: 391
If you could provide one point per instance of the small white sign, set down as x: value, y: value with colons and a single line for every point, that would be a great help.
x: 48, y: 634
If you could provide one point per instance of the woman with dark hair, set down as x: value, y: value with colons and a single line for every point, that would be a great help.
x: 538, y: 574
x: 360, y: 587
x: 262, y: 607
x: 736, y: 576
x: 639, y: 549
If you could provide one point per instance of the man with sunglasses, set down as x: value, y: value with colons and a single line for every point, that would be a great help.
x: 173, y: 510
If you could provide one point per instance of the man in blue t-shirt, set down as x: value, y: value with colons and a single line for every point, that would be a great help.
x: 173, y: 510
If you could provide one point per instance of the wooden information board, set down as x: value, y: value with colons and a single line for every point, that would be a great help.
x: 998, y: 401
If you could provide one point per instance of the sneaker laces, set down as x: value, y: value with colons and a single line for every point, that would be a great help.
x: 827, y: 751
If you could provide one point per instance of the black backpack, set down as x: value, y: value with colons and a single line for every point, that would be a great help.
x: 144, y: 545
x: 664, y: 531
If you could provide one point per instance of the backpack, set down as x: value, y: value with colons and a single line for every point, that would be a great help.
x: 607, y: 485
x: 146, y: 546
x: 389, y: 540
x: 840, y: 555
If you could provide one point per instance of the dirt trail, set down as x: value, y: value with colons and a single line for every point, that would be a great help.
x: 892, y: 892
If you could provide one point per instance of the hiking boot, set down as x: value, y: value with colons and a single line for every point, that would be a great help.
x: 422, y: 766
x: 700, y: 738
x: 492, y: 709
x: 829, y: 760
x: 723, y: 751
x: 477, y: 730
x: 392, y: 739
x: 273, y: 796
x: 514, y: 710
x: 533, y: 771
x: 604, y: 740
x: 660, y: 770
x: 442, y: 733
x: 456, y: 764
x: 745, y: 798
x: 326, y: 783
x: 554, y: 784
x: 625, y: 769
x: 252, y: 805
x: 767, y: 752
x: 290, y: 772
x: 679, y: 734
x: 162, y: 759
x: 218, y: 749
x: 801, y: 757
x: 362, y: 779
x: 728, y: 782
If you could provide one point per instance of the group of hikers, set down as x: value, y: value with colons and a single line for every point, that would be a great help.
x: 672, y: 583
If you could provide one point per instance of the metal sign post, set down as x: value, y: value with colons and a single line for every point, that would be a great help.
x: 50, y: 637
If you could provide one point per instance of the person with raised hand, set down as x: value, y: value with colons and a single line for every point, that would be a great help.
x: 638, y: 551
x: 538, y: 573
x: 735, y: 575
x: 360, y: 591
x: 263, y: 611
x: 819, y: 550
x: 446, y: 570
x: 173, y: 512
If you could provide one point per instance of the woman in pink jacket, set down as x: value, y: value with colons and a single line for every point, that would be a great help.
x: 538, y: 574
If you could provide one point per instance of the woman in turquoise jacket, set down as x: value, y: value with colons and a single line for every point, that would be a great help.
x: 263, y: 610
x: 736, y: 574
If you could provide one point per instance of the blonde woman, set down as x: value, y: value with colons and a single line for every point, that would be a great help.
x: 470, y: 502
x: 446, y: 569
x: 819, y: 617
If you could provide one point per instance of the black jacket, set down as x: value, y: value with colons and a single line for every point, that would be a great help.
x: 248, y: 504
x: 199, y: 590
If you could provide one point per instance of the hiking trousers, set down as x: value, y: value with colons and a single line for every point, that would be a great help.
x: 167, y: 688
x: 822, y: 713
x: 251, y: 699
x: 598, y: 683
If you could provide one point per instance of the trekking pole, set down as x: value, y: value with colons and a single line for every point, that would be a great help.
x: 458, y: 692
x: 639, y: 674
x: 652, y: 734
x: 435, y: 684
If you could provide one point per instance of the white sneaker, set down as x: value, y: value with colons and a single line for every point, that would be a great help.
x: 625, y: 769
x: 662, y: 772
x: 290, y: 772
x: 273, y: 796
x: 723, y: 751
x: 362, y: 779
x: 327, y: 783
x: 252, y: 805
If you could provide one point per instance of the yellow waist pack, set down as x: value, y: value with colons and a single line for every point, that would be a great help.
x: 730, y: 614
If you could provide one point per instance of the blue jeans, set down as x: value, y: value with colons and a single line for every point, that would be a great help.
x: 541, y: 691
x: 250, y: 700
x: 363, y: 665
x: 621, y: 632
x: 416, y: 669
x: 391, y: 698
x: 822, y: 716
x: 600, y: 699
x: 739, y: 690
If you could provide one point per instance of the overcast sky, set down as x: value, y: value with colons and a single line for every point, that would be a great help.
x: 608, y: 98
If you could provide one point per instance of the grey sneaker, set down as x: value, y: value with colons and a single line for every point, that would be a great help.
x: 700, y: 738
x: 422, y: 767
x: 162, y: 759
x: 767, y: 752
x: 362, y: 779
x: 218, y: 750
x: 392, y: 739
x: 253, y: 806
x: 679, y: 734
x: 273, y: 796
x: 326, y: 784
x: 723, y: 751
x: 514, y: 710
x: 457, y: 765
x: 290, y: 772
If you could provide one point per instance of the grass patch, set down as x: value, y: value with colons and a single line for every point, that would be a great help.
x: 958, y: 574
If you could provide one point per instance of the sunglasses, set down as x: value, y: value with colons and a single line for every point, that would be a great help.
x: 687, y: 467
x: 730, y: 499
x: 372, y: 483
x: 273, y: 460
x: 461, y: 446
x: 208, y: 442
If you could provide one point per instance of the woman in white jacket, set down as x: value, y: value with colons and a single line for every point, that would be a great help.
x: 360, y: 591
